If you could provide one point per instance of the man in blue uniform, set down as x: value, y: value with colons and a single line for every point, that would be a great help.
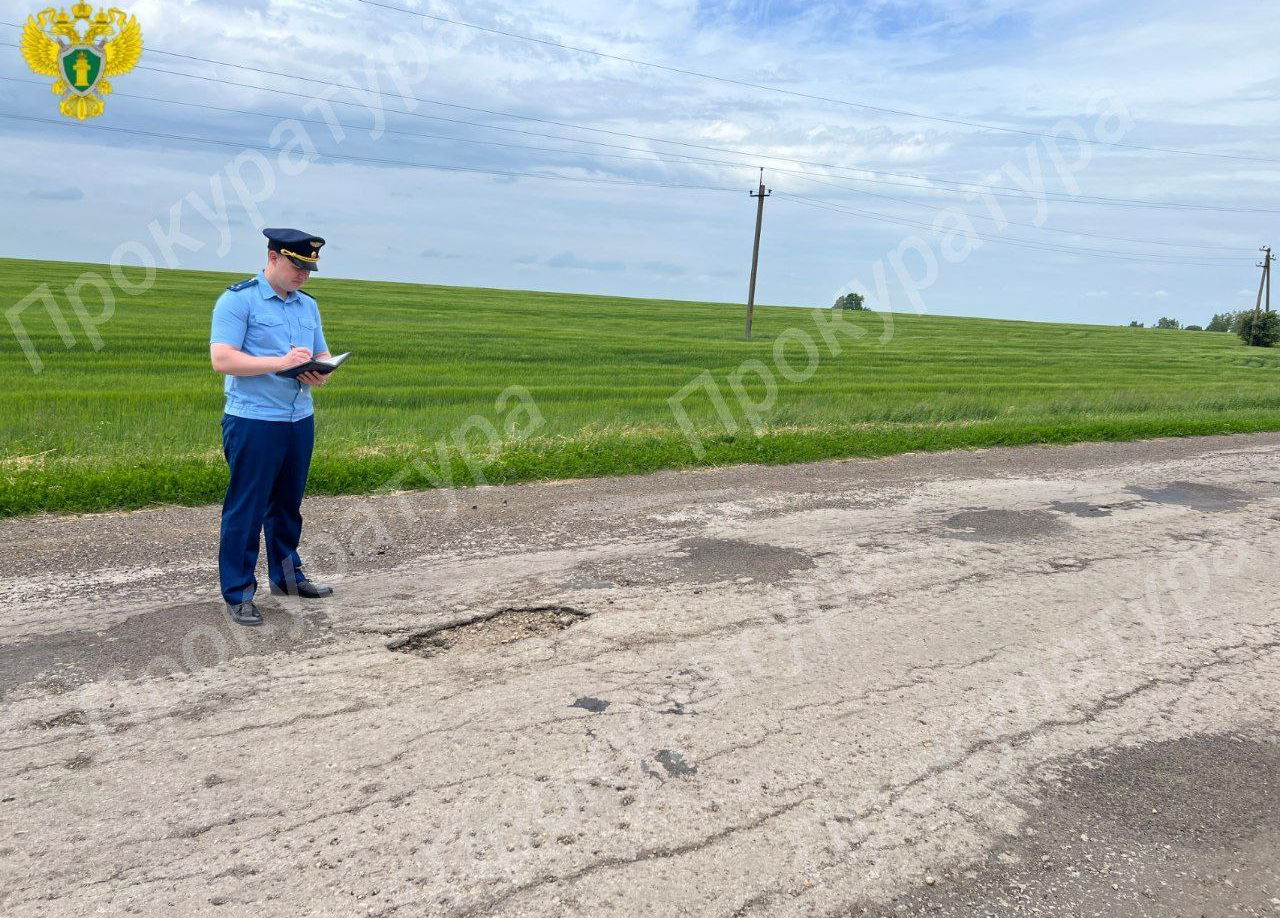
x: 262, y: 326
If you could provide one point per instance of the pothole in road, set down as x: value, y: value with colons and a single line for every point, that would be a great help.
x: 491, y: 629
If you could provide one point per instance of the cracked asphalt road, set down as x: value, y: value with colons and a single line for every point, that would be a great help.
x: 1004, y: 682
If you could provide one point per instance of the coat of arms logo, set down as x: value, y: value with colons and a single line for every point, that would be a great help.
x: 81, y: 59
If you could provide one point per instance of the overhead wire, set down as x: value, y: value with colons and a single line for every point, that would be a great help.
x: 658, y: 156
x: 595, y: 181
x: 998, y: 190
x: 1009, y: 222
x: 968, y: 187
x: 648, y: 157
x: 1021, y: 243
x: 365, y: 159
x: 796, y: 93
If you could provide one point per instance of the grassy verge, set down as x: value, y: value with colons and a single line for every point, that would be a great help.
x: 135, y: 422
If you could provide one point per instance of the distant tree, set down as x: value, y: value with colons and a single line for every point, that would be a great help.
x: 1166, y: 322
x: 1136, y: 324
x: 850, y: 301
x: 1192, y: 328
x: 1258, y: 329
x: 1221, y: 322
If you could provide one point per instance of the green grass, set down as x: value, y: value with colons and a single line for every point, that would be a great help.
x: 137, y: 422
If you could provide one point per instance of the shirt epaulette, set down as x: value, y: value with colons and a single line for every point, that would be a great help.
x: 244, y: 284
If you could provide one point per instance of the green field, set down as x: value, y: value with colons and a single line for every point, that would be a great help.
x: 136, y: 422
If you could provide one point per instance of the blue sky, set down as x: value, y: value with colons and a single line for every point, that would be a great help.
x: 1190, y: 75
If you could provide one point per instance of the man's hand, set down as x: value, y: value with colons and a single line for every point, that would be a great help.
x: 296, y: 358
x: 316, y: 379
x: 231, y: 361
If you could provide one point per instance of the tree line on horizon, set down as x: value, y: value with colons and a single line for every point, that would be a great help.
x: 1254, y: 327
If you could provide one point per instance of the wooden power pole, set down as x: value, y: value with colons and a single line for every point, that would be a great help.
x: 1264, y: 283
x: 759, y: 195
x: 1264, y: 290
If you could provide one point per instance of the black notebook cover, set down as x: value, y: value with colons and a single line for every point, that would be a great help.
x: 315, y: 366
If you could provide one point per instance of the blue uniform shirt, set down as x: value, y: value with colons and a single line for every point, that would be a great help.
x: 252, y: 318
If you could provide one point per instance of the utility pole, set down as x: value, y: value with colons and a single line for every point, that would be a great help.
x: 759, y: 195
x: 1264, y: 283
x: 1264, y: 289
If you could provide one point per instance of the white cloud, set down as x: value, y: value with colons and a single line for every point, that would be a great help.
x: 1194, y: 76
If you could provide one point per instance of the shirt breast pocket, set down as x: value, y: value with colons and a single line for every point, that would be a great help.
x: 268, y: 335
x: 306, y: 332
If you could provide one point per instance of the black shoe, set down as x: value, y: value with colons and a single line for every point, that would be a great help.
x: 246, y: 613
x: 304, y: 588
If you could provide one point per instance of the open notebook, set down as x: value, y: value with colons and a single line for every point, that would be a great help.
x: 326, y: 366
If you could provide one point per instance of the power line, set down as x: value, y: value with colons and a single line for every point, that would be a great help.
x: 366, y: 159
x: 1005, y: 191
x: 995, y: 190
x: 1064, y: 250
x: 1046, y: 229
x: 685, y: 158
x: 1017, y: 192
x: 802, y: 95
x: 507, y: 173
x: 1019, y: 243
x: 651, y: 157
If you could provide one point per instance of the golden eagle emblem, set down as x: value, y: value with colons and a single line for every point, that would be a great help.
x: 55, y: 45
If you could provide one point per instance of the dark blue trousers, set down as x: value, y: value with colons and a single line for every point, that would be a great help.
x: 269, y: 462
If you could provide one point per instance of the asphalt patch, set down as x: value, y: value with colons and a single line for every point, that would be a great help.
x: 1004, y: 525
x: 673, y: 764
x: 1207, y: 498
x: 1180, y: 828
x: 1075, y: 508
x: 1091, y: 510
x: 700, y: 561
x: 594, y: 705
x: 714, y: 560
x: 490, y: 629
x: 184, y: 638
